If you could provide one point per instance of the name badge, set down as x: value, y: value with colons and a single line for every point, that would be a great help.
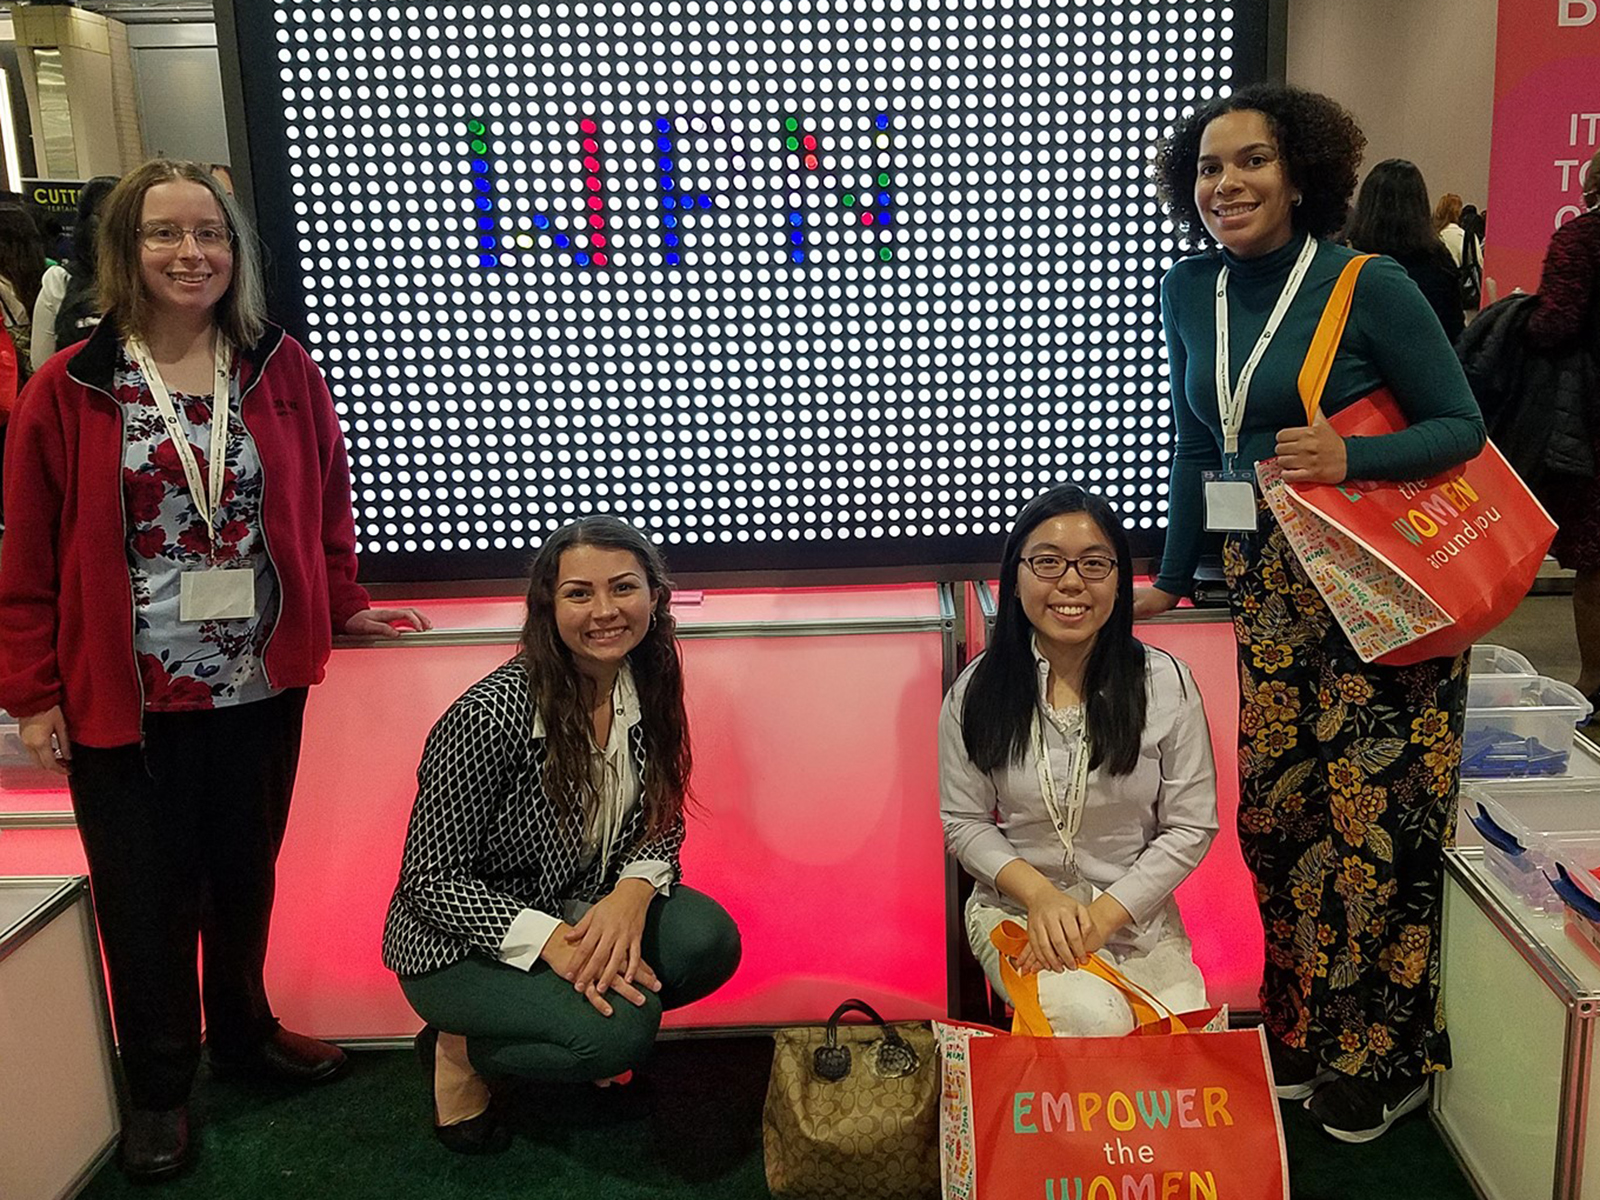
x: 217, y: 594
x: 1230, y: 502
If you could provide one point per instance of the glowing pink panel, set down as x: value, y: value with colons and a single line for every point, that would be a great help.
x: 1218, y: 900
x: 32, y: 852
x: 817, y: 825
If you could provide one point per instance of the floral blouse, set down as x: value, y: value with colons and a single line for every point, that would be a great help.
x: 185, y: 666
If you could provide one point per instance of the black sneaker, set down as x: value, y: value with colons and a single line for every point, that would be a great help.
x: 1295, y: 1073
x: 1360, y: 1110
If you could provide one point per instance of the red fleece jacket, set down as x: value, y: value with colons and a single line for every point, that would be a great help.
x: 66, y: 602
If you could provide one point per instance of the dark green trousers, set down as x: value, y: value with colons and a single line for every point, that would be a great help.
x: 532, y: 1023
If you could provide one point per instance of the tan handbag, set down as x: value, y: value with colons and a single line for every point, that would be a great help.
x: 853, y: 1111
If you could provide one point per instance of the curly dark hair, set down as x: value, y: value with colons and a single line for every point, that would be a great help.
x: 1319, y: 144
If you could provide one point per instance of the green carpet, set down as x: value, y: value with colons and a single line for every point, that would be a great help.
x: 689, y: 1127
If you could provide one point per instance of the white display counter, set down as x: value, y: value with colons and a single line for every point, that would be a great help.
x: 59, y: 1117
x: 1521, y: 997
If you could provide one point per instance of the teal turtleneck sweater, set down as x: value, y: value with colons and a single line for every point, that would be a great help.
x: 1393, y: 338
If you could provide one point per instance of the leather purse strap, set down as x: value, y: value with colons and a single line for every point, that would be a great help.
x: 860, y: 1006
x: 1318, y: 365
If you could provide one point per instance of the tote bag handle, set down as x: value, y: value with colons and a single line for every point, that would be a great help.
x: 1318, y: 366
x: 1011, y: 940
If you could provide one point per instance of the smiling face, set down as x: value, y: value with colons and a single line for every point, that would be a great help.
x: 602, y: 608
x: 1067, y: 613
x: 1244, y: 195
x: 185, y: 280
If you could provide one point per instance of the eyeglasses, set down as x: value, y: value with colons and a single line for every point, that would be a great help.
x: 170, y: 237
x: 1091, y: 568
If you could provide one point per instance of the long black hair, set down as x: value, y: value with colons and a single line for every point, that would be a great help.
x: 1391, y: 215
x: 998, y: 714
x: 558, y: 690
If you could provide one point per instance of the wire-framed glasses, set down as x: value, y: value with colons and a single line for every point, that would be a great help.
x: 161, y: 236
x: 1091, y: 568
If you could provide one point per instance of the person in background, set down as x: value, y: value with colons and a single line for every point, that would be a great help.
x: 51, y: 235
x: 1075, y: 775
x: 223, y: 174
x: 1391, y: 217
x: 1447, y: 224
x: 180, y: 553
x: 21, y: 265
x: 1348, y: 773
x: 539, y: 925
x: 68, y: 306
x: 1568, y: 313
x: 22, y: 268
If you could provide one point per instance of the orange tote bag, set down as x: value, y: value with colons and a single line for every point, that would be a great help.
x: 1104, y: 1118
x: 1411, y: 570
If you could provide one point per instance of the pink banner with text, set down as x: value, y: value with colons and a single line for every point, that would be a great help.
x: 1546, y: 127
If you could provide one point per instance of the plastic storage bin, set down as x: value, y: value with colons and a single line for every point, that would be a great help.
x: 1498, y: 676
x: 1513, y: 854
x: 1530, y: 735
x: 1522, y: 843
x: 1498, y: 660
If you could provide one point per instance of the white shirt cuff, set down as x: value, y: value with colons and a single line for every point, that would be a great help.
x: 524, y: 941
x: 653, y: 871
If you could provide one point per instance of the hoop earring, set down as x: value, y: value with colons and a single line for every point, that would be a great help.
x: 1296, y: 201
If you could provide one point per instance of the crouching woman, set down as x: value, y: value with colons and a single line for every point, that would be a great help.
x: 1075, y: 775
x: 539, y: 926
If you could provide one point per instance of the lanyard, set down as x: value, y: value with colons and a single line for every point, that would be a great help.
x: 1066, y: 817
x: 1232, y: 399
x: 206, y: 501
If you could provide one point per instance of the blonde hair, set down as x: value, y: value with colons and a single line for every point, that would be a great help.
x: 241, y: 314
x: 1447, y: 211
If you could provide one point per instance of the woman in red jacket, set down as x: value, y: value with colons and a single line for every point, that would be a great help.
x: 173, y: 576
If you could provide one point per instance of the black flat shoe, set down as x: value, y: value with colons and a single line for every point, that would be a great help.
x: 482, y: 1134
x: 285, y: 1057
x: 155, y: 1143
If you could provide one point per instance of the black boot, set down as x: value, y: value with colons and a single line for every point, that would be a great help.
x: 155, y: 1143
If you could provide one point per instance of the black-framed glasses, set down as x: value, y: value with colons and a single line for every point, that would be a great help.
x: 1091, y: 568
x: 162, y: 236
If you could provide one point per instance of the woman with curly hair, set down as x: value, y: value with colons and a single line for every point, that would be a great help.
x: 1347, y: 772
x: 539, y: 925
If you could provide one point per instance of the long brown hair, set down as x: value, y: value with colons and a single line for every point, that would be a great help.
x: 557, y: 687
x: 241, y: 313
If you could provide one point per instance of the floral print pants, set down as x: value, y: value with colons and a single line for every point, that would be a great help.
x: 1348, y: 776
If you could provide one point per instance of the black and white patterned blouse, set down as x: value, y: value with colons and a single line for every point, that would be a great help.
x: 486, y: 844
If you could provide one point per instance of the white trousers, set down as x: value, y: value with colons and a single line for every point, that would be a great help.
x: 1079, y: 1004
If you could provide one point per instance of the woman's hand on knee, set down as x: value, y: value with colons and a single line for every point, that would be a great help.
x: 607, y: 940
x: 563, y: 957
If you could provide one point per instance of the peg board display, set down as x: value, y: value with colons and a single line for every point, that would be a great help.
x: 824, y: 283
